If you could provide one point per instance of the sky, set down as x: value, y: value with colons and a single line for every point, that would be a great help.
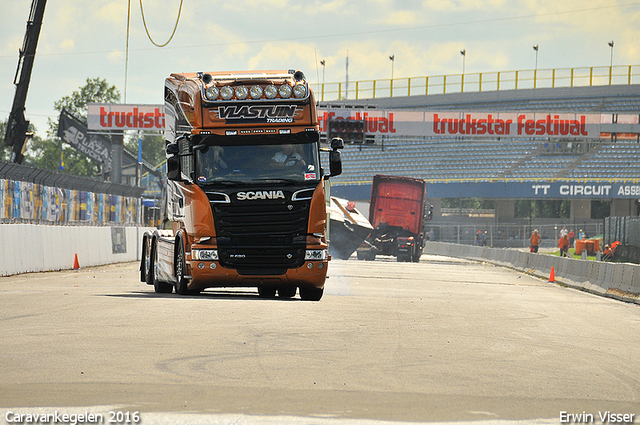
x: 83, y: 39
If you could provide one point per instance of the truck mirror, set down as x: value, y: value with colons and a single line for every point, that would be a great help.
x: 173, y: 168
x: 337, y: 143
x: 173, y: 162
x: 335, y: 162
x: 173, y: 149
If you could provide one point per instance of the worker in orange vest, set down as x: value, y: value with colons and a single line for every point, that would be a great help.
x: 563, y: 244
x: 535, y: 241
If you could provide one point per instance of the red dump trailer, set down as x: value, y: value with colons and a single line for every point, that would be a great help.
x: 397, y: 215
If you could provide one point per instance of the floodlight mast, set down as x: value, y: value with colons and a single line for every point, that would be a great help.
x: 17, y: 134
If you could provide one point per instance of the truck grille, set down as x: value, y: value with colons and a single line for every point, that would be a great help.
x: 261, y: 237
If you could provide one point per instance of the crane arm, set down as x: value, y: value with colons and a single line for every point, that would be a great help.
x: 17, y: 134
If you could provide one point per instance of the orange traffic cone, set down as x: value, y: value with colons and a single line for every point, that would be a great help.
x: 552, y: 276
x: 76, y: 265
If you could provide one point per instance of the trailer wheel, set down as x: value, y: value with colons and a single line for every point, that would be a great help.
x: 287, y: 291
x: 311, y: 293
x: 159, y: 287
x: 180, y: 268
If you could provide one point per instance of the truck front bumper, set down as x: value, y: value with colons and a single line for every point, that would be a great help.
x: 211, y: 274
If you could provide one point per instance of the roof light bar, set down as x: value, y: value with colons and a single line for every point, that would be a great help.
x: 220, y: 88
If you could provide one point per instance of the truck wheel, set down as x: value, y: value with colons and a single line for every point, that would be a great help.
x: 159, y: 287
x: 311, y: 293
x: 267, y: 291
x: 180, y: 268
x: 417, y: 254
x: 144, y: 262
x: 287, y: 291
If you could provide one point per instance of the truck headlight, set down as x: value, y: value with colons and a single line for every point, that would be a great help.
x: 285, y: 91
x: 226, y: 92
x: 256, y: 92
x: 204, y: 254
x: 300, y: 91
x: 212, y: 93
x: 242, y: 92
x: 315, y: 254
x: 271, y: 91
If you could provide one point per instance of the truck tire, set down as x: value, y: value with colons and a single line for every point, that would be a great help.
x: 287, y: 291
x: 179, y: 271
x: 144, y: 262
x: 417, y: 254
x: 311, y: 293
x: 267, y: 291
x: 159, y: 287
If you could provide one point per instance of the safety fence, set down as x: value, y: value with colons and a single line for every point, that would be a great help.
x: 616, y: 280
x: 623, y: 229
x: 483, y: 81
x: 626, y: 230
x: 31, y: 195
x: 509, y: 235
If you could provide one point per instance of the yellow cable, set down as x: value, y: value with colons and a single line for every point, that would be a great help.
x: 174, y: 28
x: 126, y: 56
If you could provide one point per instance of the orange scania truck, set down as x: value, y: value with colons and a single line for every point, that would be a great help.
x: 245, y: 195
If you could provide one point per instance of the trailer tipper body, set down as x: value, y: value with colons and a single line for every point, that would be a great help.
x: 245, y: 196
x: 397, y: 215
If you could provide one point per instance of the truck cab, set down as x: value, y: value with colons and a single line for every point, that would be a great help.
x: 245, y: 197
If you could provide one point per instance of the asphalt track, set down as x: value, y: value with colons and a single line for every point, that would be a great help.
x: 443, y: 340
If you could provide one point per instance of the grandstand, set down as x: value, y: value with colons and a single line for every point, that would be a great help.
x: 468, y: 159
x: 435, y: 158
x: 506, y: 169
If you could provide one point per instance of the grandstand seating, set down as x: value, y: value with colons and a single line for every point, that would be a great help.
x: 442, y: 158
x: 478, y: 159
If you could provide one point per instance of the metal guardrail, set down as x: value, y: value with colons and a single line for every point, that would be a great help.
x: 38, y: 196
x: 482, y: 81
x: 16, y: 172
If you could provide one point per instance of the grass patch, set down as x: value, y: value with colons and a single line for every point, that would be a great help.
x: 572, y: 251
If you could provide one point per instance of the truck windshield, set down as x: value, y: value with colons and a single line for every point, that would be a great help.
x: 257, y: 159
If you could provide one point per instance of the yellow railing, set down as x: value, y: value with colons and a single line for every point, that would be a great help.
x: 477, y: 82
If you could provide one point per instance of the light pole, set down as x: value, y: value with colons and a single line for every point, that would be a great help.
x: 611, y: 45
x: 323, y: 63
x: 611, y: 62
x: 463, y: 52
x: 392, y: 58
x: 535, y: 70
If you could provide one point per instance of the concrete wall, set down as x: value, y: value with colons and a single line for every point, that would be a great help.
x: 616, y: 280
x: 36, y: 248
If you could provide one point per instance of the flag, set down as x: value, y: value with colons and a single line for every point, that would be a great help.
x: 61, y: 167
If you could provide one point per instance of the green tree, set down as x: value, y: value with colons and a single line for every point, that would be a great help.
x: 50, y: 152
x: 153, y: 146
x: 6, y: 152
